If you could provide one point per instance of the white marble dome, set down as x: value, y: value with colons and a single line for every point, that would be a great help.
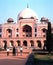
x: 27, y: 13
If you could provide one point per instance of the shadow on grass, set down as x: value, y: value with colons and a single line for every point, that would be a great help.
x: 37, y: 60
x: 42, y: 62
x: 30, y: 60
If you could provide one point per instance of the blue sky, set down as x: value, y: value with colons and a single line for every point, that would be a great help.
x: 11, y: 8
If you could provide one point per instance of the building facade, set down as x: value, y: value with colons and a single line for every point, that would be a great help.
x: 27, y: 32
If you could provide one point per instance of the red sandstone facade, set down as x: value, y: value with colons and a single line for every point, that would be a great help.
x: 27, y: 32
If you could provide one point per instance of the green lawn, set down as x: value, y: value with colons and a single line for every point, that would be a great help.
x: 43, y: 59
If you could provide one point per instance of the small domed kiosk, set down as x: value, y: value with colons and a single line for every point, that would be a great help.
x: 44, y: 19
x: 10, y: 20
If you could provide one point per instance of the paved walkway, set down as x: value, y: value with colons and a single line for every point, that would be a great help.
x: 13, y: 60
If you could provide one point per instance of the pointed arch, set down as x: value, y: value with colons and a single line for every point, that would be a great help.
x: 5, y: 44
x: 32, y: 43
x: 18, y: 43
x: 24, y: 43
x: 39, y: 43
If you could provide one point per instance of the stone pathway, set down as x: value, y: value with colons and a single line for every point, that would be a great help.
x: 13, y: 60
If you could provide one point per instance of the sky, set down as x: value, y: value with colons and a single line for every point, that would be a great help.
x: 11, y: 8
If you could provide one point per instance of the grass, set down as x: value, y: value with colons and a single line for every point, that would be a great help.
x: 43, y: 59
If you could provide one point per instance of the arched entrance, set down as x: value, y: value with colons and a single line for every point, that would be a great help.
x: 39, y: 43
x: 5, y: 44
x: 11, y: 43
x: 9, y: 32
x: 32, y: 43
x: 27, y: 30
x: 24, y: 43
x: 18, y: 43
x: 44, y: 30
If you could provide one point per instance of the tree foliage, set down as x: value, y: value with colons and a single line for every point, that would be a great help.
x: 49, y: 38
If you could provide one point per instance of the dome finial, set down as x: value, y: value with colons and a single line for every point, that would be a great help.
x: 27, y: 5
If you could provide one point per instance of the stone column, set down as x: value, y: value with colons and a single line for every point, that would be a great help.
x: 21, y: 42
x: 42, y: 43
x: 1, y: 44
x: 28, y: 43
x: 35, y: 44
x: 33, y: 31
x: 8, y: 43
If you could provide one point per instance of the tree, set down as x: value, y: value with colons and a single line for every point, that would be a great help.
x: 52, y: 41
x: 49, y: 38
